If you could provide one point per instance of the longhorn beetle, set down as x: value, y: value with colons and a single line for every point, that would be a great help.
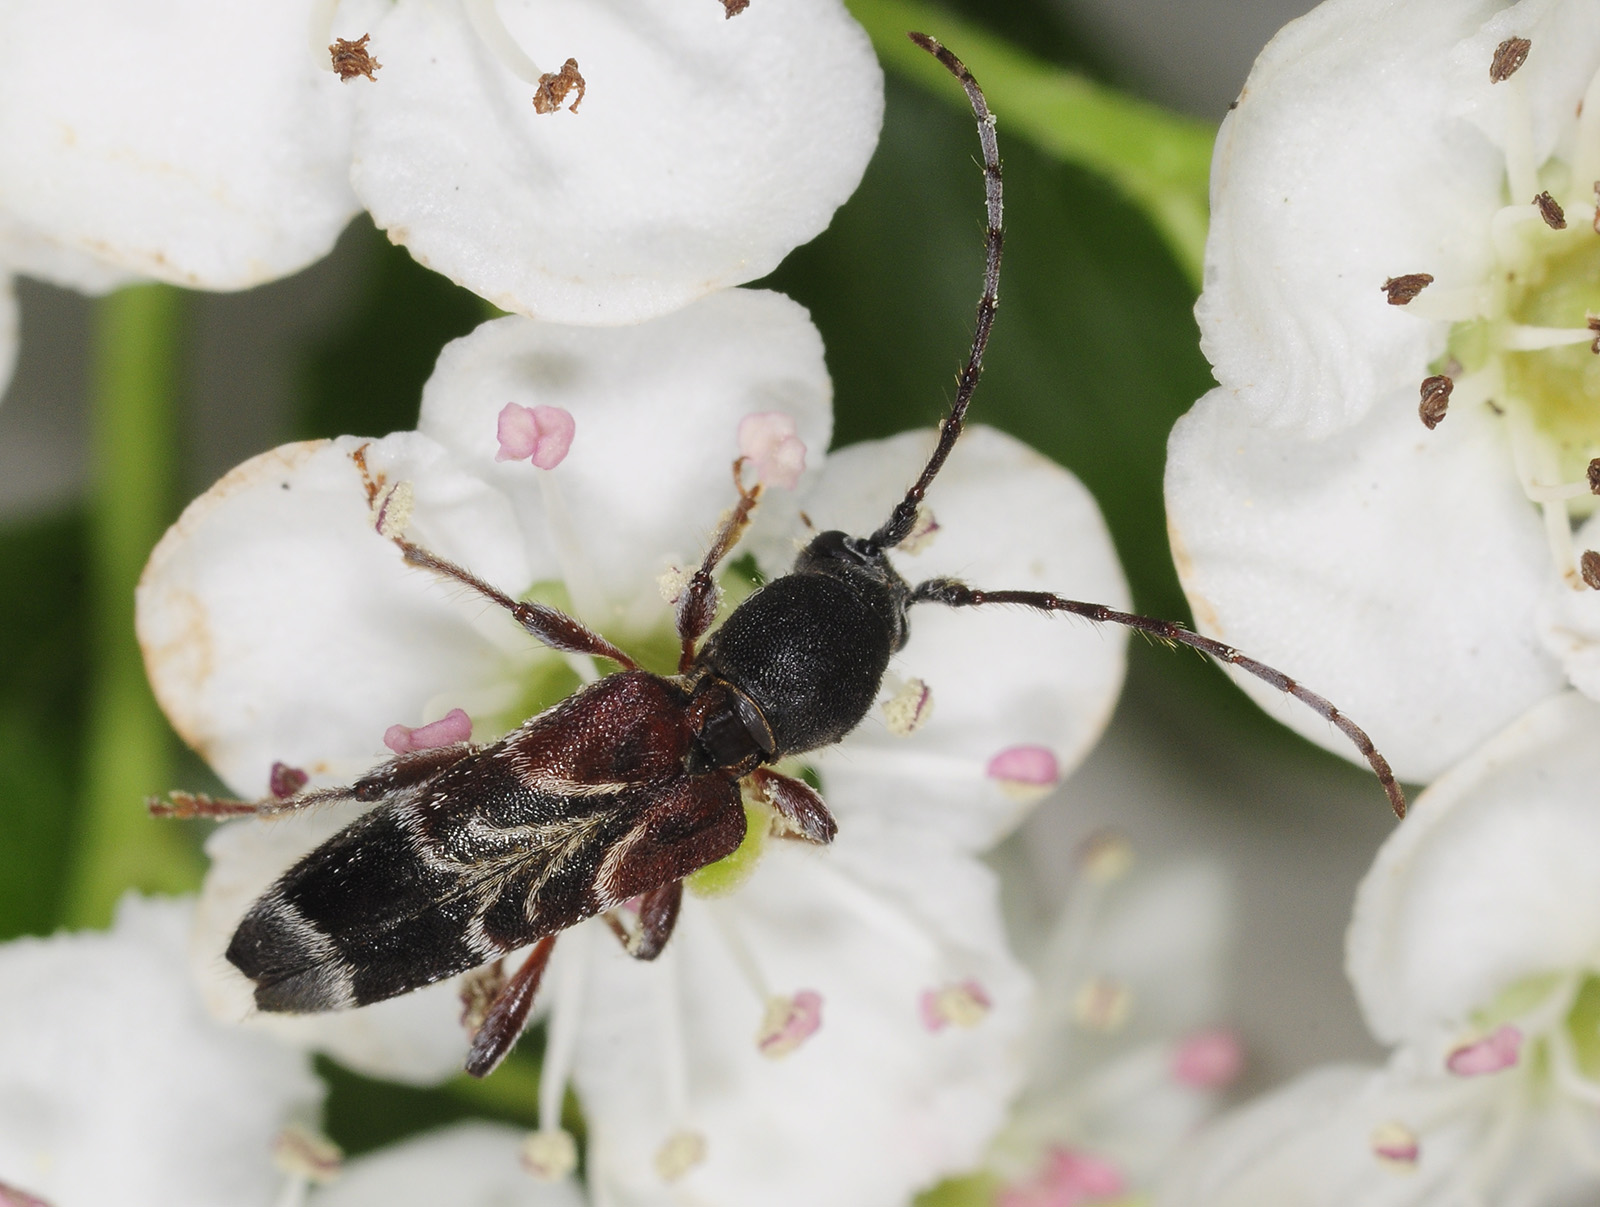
x: 633, y: 783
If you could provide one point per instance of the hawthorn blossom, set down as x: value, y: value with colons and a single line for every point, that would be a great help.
x: 1475, y: 954
x: 219, y: 146
x: 185, y: 141
x: 703, y: 150
x: 836, y: 1024
x: 1381, y: 494
x: 1125, y: 1060
x: 117, y: 1087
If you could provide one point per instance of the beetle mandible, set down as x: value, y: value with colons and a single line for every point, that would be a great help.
x: 633, y: 783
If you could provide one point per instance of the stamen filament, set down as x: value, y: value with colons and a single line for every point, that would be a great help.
x: 576, y: 572
x: 1458, y: 305
x: 1586, y: 153
x: 1518, y: 337
x: 673, y: 1047
x: 1505, y: 230
x: 486, y: 23
x: 1522, y: 172
x: 566, y: 1016
x: 743, y: 958
x: 319, y: 31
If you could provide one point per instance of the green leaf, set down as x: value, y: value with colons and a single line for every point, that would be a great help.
x: 43, y: 676
x: 1161, y: 161
x: 129, y: 747
x: 364, y: 377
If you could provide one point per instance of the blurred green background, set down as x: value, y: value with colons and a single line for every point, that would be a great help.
x: 1093, y: 358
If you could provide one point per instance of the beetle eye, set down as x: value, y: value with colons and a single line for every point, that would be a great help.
x: 860, y: 550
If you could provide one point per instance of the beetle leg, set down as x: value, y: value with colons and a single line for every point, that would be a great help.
x: 658, y: 914
x: 507, y: 1015
x: 550, y: 626
x: 402, y: 772
x: 697, y: 606
x: 197, y: 804
x: 797, y: 803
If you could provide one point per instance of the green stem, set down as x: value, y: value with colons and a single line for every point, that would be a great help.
x: 129, y: 747
x: 1160, y: 161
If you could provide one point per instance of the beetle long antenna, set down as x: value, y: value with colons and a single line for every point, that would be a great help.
x: 904, y: 517
x: 955, y: 594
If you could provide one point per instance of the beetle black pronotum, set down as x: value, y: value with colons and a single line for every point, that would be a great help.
x: 634, y: 782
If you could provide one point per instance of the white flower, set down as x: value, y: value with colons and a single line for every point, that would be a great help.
x: 704, y: 149
x: 1124, y: 1057
x: 1428, y: 581
x: 115, y: 1086
x: 835, y: 1025
x: 187, y: 141
x: 1475, y: 953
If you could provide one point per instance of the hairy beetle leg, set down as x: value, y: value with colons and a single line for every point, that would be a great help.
x: 549, y: 626
x: 183, y: 805
x: 658, y: 916
x: 697, y: 607
x: 800, y: 806
x: 507, y: 1015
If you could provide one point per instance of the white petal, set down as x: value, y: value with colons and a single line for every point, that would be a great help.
x: 190, y: 141
x: 27, y: 253
x: 467, y: 1165
x: 870, y: 1107
x: 1358, y: 152
x: 657, y: 408
x: 278, y: 626
x: 1490, y: 880
x: 1394, y: 570
x: 1001, y: 677
x: 1569, y: 622
x: 115, y: 1087
x: 415, y: 1038
x: 704, y: 149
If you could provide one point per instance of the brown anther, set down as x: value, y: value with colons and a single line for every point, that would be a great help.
x: 1594, y: 476
x: 1594, y: 325
x: 732, y: 8
x: 1589, y: 567
x: 351, y: 59
x: 1550, y: 210
x: 1402, y: 289
x: 1435, y: 399
x: 1508, y: 56
x: 554, y: 87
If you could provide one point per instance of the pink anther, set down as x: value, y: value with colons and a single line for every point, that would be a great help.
x: 538, y: 434
x: 454, y: 726
x: 789, y: 1022
x: 1066, y: 1179
x: 1025, y: 767
x: 770, y: 442
x: 1208, y: 1060
x: 1499, y: 1050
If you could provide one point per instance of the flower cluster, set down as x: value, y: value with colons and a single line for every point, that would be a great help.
x: 220, y: 146
x: 282, y: 630
x: 1391, y: 492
